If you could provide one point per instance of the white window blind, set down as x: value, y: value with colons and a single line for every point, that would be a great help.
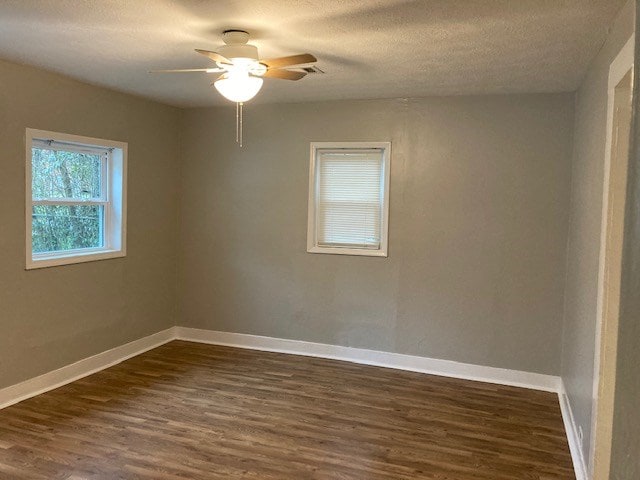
x: 350, y: 196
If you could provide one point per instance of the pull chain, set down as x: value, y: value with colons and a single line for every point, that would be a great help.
x: 239, y: 123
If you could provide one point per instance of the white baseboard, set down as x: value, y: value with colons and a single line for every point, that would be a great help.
x: 56, y: 378
x: 575, y: 445
x: 69, y: 373
x: 432, y: 366
x: 399, y: 361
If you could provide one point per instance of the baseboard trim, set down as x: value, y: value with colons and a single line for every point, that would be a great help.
x: 536, y: 381
x: 69, y: 373
x: 432, y: 366
x: 573, y: 438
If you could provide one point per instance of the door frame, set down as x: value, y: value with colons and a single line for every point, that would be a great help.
x: 621, y: 65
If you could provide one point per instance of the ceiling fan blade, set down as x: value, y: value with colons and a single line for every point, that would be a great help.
x: 216, y: 57
x: 219, y: 77
x: 189, y: 70
x: 288, y: 61
x: 284, y: 74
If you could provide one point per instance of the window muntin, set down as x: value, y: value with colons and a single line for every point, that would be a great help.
x: 75, y: 199
x: 348, y: 198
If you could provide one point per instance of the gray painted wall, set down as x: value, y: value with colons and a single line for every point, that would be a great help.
x: 578, y: 344
x: 625, y: 460
x: 55, y: 316
x: 478, y: 228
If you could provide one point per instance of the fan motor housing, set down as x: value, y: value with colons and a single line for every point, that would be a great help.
x: 236, y: 45
x: 239, y: 51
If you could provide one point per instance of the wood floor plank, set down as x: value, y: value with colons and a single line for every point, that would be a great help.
x: 193, y: 411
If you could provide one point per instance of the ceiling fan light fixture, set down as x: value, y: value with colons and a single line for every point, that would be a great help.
x: 243, y: 71
x: 238, y: 87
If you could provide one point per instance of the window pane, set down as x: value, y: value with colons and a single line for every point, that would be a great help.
x: 350, y: 196
x: 60, y: 174
x: 66, y: 227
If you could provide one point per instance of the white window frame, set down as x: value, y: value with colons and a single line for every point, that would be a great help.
x: 114, y: 199
x: 312, y: 240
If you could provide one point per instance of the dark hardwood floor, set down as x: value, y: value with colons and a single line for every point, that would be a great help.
x: 192, y: 411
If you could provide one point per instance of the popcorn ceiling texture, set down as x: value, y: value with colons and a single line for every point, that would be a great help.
x: 369, y: 49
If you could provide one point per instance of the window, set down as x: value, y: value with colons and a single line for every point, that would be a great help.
x: 76, y: 194
x: 349, y: 198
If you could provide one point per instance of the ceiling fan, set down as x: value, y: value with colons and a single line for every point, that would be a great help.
x: 242, y: 71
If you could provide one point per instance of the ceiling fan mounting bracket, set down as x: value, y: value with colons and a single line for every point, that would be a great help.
x: 235, y: 37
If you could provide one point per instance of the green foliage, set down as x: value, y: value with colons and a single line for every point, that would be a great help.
x: 68, y: 175
x: 65, y: 227
x: 60, y: 175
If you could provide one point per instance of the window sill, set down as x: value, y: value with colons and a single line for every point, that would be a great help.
x: 69, y: 258
x: 362, y: 252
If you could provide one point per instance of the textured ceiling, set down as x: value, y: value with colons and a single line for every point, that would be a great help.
x: 368, y: 48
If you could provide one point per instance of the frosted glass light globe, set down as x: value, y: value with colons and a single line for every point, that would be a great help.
x: 238, y: 86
